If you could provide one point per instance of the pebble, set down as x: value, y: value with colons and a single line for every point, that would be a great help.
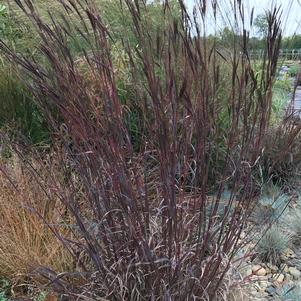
x: 284, y: 267
x: 289, y: 253
x: 294, y: 272
x: 255, y: 267
x: 261, y: 272
x: 264, y: 284
x: 272, y: 267
x: 279, y: 278
x: 258, y: 270
x: 271, y: 290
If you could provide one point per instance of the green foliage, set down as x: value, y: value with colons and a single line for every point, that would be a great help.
x: 292, y: 42
x: 227, y: 37
x: 283, y: 85
x: 18, y: 110
x: 41, y: 296
x: 3, y: 296
x: 279, y: 101
x: 119, y: 21
x: 4, y: 289
x: 272, y: 245
x: 261, y: 23
x: 14, y: 33
x: 4, y: 22
x: 293, y: 70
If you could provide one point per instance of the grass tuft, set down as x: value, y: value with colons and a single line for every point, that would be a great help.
x: 272, y: 245
x: 26, y: 242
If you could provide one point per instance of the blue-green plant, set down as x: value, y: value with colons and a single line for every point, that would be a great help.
x: 4, y: 289
x: 41, y: 296
x: 289, y: 292
x: 270, y: 207
x: 272, y: 245
x: 3, y: 296
x: 293, y: 220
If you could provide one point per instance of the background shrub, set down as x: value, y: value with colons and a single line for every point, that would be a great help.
x: 281, y: 156
x: 18, y: 112
x: 293, y: 70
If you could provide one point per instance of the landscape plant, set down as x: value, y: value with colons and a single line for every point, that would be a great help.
x: 281, y: 157
x: 139, y: 217
x: 19, y: 114
x: 272, y: 245
x: 26, y: 243
x: 269, y: 208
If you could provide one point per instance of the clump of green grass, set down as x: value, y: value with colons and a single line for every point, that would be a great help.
x: 18, y: 110
x: 279, y: 103
x: 4, y: 289
x: 272, y: 245
x: 293, y: 70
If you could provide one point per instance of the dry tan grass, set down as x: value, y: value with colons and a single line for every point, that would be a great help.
x: 25, y: 240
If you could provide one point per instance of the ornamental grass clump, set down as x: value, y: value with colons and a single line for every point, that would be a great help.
x: 272, y: 245
x: 141, y: 228
x: 270, y: 209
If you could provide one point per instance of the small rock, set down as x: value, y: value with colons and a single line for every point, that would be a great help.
x: 264, y: 284
x: 272, y: 267
x: 256, y: 267
x: 289, y: 253
x: 294, y: 272
x: 284, y: 268
x: 279, y: 278
x: 261, y: 272
x: 271, y: 290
